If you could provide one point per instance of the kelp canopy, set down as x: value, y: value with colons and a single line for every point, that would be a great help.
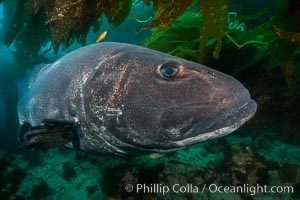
x: 64, y: 20
x: 197, y: 29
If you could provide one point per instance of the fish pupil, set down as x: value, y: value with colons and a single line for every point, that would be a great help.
x: 169, y: 71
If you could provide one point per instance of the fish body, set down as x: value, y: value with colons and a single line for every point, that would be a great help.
x: 126, y: 99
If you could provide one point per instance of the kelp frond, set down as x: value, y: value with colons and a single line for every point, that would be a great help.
x: 214, y: 24
x: 288, y: 36
x: 66, y: 19
x: 165, y: 12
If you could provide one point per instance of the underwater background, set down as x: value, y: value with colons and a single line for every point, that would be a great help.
x: 257, y: 42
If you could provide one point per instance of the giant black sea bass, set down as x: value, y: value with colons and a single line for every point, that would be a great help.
x: 117, y: 98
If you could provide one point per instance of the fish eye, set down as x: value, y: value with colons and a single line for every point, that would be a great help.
x: 169, y: 69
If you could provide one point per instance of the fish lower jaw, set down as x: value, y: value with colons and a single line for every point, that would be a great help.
x: 177, y: 145
x: 213, y: 134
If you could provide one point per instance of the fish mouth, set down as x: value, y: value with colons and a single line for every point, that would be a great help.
x: 227, y: 122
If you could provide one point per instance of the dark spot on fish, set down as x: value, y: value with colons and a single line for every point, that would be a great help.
x: 211, y: 73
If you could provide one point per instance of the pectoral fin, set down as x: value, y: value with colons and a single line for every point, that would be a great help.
x: 50, y: 133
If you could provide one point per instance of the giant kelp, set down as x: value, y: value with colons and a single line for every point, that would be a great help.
x: 291, y: 37
x: 69, y: 20
x: 291, y: 40
x: 286, y: 21
x: 165, y: 12
x: 66, y: 20
x: 180, y: 28
x: 117, y: 11
x: 16, y: 24
x: 214, y: 24
x: 258, y: 42
x: 181, y: 38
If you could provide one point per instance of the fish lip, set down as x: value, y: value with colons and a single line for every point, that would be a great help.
x: 226, y: 124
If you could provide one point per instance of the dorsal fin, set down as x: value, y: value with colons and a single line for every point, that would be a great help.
x: 36, y: 71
